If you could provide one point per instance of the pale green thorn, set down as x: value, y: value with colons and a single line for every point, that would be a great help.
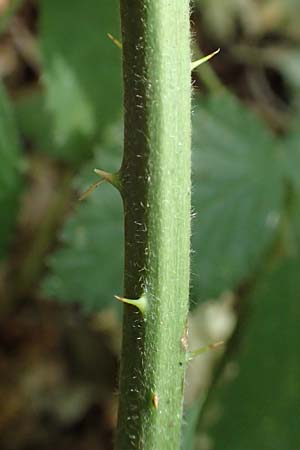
x: 140, y: 303
x: 115, y: 40
x: 112, y: 178
x: 200, y: 61
x: 206, y: 348
x: 91, y: 189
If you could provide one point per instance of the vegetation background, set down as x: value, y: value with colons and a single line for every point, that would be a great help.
x: 61, y: 260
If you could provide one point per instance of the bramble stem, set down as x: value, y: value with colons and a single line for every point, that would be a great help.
x: 156, y: 190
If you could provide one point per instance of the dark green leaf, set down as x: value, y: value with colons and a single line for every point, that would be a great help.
x: 81, y: 71
x: 10, y: 178
x: 291, y: 152
x: 260, y: 408
x: 238, y: 193
x: 35, y: 123
x: 87, y: 269
x: 190, y: 422
x: 291, y: 163
x: 294, y: 224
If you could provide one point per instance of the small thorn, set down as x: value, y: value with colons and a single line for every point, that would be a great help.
x: 91, y: 189
x: 155, y: 400
x: 216, y: 345
x: 112, y: 178
x: 105, y: 175
x: 200, y: 61
x: 192, y: 355
x: 114, y: 40
x: 184, y: 341
x: 140, y: 303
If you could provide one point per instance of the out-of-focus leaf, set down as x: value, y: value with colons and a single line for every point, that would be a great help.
x: 215, y: 19
x: 190, y: 422
x: 286, y: 61
x: 35, y: 122
x: 238, y: 191
x: 87, y: 269
x: 81, y: 71
x: 293, y: 244
x: 260, y: 408
x: 223, y: 19
x: 291, y: 152
x: 10, y: 157
x: 238, y: 187
x: 283, y: 59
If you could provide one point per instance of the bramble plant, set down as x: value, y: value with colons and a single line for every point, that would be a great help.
x: 156, y: 187
x: 155, y: 184
x: 243, y: 259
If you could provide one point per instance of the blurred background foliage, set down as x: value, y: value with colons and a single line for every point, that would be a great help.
x: 61, y: 260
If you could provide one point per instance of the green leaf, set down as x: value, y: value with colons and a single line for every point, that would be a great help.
x: 238, y: 194
x: 260, y: 408
x: 87, y: 269
x: 190, y: 422
x: 81, y: 71
x: 294, y: 224
x: 237, y: 206
x: 10, y: 178
x: 218, y: 20
x: 35, y: 123
x: 291, y: 150
x: 223, y: 19
x: 291, y: 163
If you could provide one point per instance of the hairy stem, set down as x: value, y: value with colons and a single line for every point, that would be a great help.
x: 156, y: 189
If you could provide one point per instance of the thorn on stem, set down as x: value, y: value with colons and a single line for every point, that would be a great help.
x: 184, y: 341
x: 91, y: 189
x: 213, y: 346
x: 200, y: 61
x: 155, y: 400
x: 112, y: 178
x: 140, y: 303
x: 114, y: 40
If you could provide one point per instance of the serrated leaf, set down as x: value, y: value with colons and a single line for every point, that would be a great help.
x: 10, y: 178
x: 260, y: 408
x: 238, y: 193
x: 87, y: 269
x: 82, y: 72
x: 237, y: 204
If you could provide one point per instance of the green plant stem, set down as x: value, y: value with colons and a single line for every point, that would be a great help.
x: 156, y: 190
